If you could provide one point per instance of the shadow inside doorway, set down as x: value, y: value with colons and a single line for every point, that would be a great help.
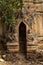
x: 22, y: 39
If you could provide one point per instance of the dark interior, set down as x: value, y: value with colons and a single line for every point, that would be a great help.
x: 22, y: 38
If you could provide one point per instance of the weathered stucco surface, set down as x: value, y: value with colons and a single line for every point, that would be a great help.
x: 33, y: 20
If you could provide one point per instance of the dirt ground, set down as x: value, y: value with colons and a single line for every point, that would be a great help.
x: 19, y: 59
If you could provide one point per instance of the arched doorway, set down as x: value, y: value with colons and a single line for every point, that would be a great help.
x: 22, y: 39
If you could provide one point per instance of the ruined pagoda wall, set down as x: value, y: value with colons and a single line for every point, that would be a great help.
x: 37, y: 11
x: 38, y: 25
x: 32, y: 12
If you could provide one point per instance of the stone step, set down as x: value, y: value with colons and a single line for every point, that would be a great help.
x: 31, y: 48
x: 13, y: 50
x: 31, y: 44
x: 40, y: 47
x: 13, y: 47
x: 15, y: 43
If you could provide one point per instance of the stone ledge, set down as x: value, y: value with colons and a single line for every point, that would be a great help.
x: 31, y: 48
x: 32, y: 45
x: 15, y: 43
x: 14, y: 50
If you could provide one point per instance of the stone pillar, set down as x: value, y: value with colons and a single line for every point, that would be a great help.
x: 34, y: 26
x: 40, y: 24
x: 37, y: 25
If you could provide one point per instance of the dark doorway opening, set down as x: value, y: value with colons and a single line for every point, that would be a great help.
x: 22, y: 39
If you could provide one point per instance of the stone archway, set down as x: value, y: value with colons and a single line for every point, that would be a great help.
x: 22, y: 39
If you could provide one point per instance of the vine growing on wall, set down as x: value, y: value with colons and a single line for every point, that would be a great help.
x: 9, y: 12
x: 8, y: 15
x: 7, y: 9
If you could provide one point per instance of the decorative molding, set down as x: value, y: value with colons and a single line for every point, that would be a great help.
x: 34, y: 1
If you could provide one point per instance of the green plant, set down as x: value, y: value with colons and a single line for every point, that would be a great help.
x: 7, y: 10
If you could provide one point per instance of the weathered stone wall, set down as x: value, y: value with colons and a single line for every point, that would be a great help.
x: 33, y: 19
x: 35, y: 11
